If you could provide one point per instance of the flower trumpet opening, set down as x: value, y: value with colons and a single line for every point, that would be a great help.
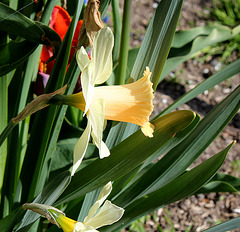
x: 129, y: 103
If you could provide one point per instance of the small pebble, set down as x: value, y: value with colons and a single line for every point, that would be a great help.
x: 206, y: 70
x: 205, y: 92
x: 155, y: 5
x: 228, y: 90
x: 164, y: 100
x: 236, y: 210
x: 217, y: 66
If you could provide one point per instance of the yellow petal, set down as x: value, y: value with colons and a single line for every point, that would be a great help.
x: 102, y: 55
x: 67, y: 224
x: 96, y: 118
x: 108, y: 214
x: 101, y: 198
x: 148, y: 129
x: 129, y: 103
x: 80, y: 148
x: 77, y: 100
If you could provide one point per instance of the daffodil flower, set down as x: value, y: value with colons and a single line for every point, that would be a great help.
x: 107, y: 214
x: 127, y: 103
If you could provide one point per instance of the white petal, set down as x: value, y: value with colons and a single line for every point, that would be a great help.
x: 96, y: 117
x: 101, y: 198
x: 103, y: 151
x: 102, y: 55
x: 82, y: 58
x: 80, y: 227
x: 87, y: 86
x: 80, y: 148
x: 108, y: 214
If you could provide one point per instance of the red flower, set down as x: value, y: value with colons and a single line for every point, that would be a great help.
x: 60, y: 21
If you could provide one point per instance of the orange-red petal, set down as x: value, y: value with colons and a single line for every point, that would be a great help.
x: 60, y: 21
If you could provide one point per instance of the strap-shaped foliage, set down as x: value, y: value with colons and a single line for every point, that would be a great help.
x: 126, y: 156
x: 183, y: 186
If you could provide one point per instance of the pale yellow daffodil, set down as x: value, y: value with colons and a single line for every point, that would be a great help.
x: 94, y: 71
x: 127, y: 103
x: 107, y: 215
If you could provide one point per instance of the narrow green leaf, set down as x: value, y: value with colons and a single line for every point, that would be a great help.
x: 227, y: 72
x: 3, y: 124
x: 226, y: 226
x: 123, y: 56
x: 8, y: 223
x: 71, y: 78
x: 157, y: 41
x: 173, y: 142
x: 117, y: 25
x: 221, y: 183
x: 14, y: 54
x: 184, y: 154
x: 132, y: 55
x: 48, y: 196
x: 153, y: 174
x: 217, y: 187
x: 187, y: 43
x: 119, y: 132
x: 126, y: 155
x: 103, y: 7
x: 183, y: 186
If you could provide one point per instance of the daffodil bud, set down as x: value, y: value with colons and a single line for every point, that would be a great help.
x: 37, y: 104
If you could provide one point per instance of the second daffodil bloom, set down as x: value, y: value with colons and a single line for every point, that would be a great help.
x: 127, y: 103
x: 107, y: 215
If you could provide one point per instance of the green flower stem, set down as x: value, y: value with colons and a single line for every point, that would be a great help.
x: 61, y: 100
x: 7, y: 131
x: 117, y: 29
x: 3, y: 123
x: 76, y: 100
x: 123, y: 57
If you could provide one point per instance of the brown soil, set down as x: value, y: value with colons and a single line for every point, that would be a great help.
x: 199, y: 212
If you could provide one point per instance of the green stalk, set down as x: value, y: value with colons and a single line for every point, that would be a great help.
x: 117, y: 25
x: 123, y: 57
x: 3, y: 121
x: 7, y: 130
x: 3, y: 124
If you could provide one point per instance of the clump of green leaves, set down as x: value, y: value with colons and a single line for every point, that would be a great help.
x: 227, y: 13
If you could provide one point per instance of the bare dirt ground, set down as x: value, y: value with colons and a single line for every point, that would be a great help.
x: 199, y: 212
